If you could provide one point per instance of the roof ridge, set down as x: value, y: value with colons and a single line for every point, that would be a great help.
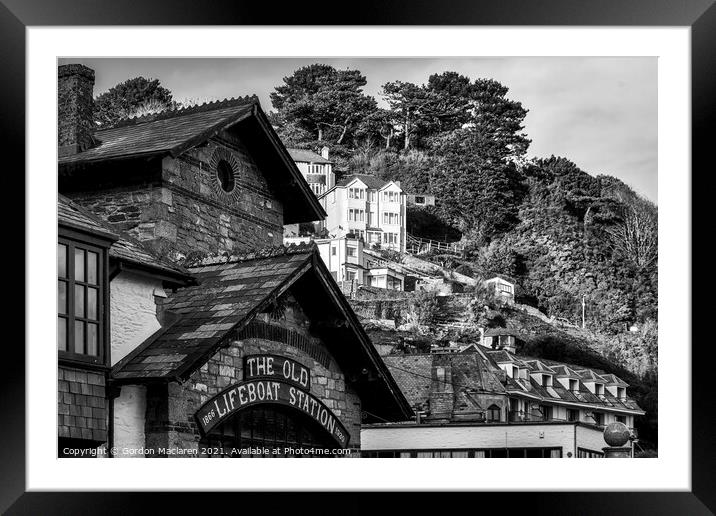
x: 181, y: 111
x: 258, y: 254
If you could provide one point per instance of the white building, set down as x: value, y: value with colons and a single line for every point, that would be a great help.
x: 503, y: 288
x: 369, y: 207
x: 316, y: 168
x: 346, y: 261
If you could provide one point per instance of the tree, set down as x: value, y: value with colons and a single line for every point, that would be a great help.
x: 421, y: 111
x: 479, y: 190
x: 636, y: 236
x: 326, y: 102
x: 483, y: 104
x: 131, y: 98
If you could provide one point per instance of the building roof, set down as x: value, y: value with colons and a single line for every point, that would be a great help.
x: 124, y: 248
x: 171, y: 131
x: 613, y: 379
x: 564, y: 371
x: 232, y: 291
x: 372, y: 182
x: 175, y: 131
x: 470, y: 374
x: 307, y: 156
x: 537, y: 366
x: 492, y: 332
x: 589, y: 375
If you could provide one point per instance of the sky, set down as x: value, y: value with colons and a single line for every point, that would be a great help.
x: 599, y: 112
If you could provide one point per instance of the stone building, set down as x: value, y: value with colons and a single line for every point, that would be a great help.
x: 185, y: 327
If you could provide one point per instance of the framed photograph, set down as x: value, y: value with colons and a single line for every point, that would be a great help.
x: 440, y: 235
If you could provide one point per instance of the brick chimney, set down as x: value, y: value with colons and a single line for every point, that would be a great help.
x: 74, y: 109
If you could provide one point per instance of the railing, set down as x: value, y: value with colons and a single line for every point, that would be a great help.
x: 417, y: 245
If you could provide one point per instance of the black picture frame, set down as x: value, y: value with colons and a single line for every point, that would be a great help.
x: 700, y: 15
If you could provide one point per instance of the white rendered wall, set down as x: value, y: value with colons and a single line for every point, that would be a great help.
x: 133, y: 311
x: 129, y: 413
x: 492, y: 436
x: 133, y: 319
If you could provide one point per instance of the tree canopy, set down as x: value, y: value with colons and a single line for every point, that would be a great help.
x: 129, y: 98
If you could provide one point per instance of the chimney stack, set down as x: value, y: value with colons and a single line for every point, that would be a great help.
x: 324, y: 152
x: 74, y: 109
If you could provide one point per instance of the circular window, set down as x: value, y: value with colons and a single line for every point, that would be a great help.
x: 225, y: 175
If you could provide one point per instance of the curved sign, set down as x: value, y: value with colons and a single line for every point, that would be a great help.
x: 253, y: 392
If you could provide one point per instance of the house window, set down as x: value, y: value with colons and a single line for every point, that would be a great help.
x: 350, y: 276
x: 80, y: 300
x: 419, y: 200
x: 572, y: 415
x: 598, y: 418
x: 574, y: 385
x: 546, y: 412
x: 493, y: 414
x: 333, y: 250
x: 515, y: 372
x: 599, y: 389
x: 546, y: 380
x: 621, y: 393
x: 351, y: 251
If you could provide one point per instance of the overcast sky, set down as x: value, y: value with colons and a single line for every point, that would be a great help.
x: 599, y: 112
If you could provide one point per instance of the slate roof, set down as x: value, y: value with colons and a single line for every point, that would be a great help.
x: 538, y: 366
x: 124, y: 247
x: 307, y: 156
x: 564, y: 371
x: 170, y: 131
x: 613, y: 379
x: 229, y: 295
x: 372, y: 182
x: 557, y: 392
x: 491, y: 332
x: 232, y: 290
x: 470, y: 374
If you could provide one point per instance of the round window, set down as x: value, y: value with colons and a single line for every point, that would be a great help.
x: 225, y: 175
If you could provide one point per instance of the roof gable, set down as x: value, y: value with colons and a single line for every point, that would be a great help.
x: 231, y: 293
x: 307, y: 156
x: 173, y: 132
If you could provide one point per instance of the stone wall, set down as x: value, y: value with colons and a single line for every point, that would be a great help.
x: 189, y: 211
x: 170, y: 410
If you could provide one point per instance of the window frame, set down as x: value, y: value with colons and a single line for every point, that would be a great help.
x: 86, y: 244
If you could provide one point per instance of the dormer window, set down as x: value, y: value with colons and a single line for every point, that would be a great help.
x: 515, y: 372
x: 546, y: 380
x: 621, y: 393
x: 574, y: 385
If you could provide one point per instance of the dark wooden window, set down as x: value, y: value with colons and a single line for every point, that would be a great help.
x: 493, y: 413
x: 80, y: 301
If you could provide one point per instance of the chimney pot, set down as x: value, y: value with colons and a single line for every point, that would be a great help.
x: 74, y: 109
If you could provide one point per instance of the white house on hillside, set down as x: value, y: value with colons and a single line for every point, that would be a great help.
x: 503, y: 288
x: 316, y: 168
x: 369, y: 207
x: 347, y: 263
